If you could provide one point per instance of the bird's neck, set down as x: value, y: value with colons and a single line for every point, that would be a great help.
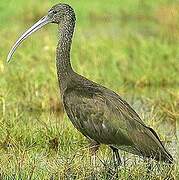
x: 64, y: 69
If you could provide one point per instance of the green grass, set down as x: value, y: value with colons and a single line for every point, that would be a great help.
x: 130, y: 46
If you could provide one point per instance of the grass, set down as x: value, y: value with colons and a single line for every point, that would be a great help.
x: 130, y: 46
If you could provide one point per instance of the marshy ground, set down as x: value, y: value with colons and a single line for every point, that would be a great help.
x: 131, y: 46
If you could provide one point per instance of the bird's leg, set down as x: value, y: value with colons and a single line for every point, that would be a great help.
x: 116, y: 158
x: 149, y: 166
x: 93, y: 147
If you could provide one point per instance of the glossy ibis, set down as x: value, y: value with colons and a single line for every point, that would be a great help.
x: 96, y: 111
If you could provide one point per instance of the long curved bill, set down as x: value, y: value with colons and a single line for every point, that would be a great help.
x: 42, y: 22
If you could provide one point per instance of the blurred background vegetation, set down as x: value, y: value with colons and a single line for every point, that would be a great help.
x: 130, y: 46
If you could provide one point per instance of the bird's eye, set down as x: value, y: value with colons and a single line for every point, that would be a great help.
x: 54, y: 12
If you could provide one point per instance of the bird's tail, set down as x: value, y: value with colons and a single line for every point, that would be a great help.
x: 162, y: 154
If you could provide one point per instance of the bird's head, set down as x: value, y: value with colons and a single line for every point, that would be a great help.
x: 60, y: 13
x: 57, y: 14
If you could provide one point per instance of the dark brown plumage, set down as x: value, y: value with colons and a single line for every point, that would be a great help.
x: 97, y: 112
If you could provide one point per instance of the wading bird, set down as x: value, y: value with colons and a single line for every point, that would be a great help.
x: 96, y: 111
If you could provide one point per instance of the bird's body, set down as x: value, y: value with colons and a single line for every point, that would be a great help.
x: 102, y: 116
x: 96, y: 111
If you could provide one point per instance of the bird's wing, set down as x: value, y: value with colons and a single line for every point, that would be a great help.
x: 106, y: 118
x: 145, y: 139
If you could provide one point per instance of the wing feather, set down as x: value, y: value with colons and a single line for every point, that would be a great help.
x: 106, y: 118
